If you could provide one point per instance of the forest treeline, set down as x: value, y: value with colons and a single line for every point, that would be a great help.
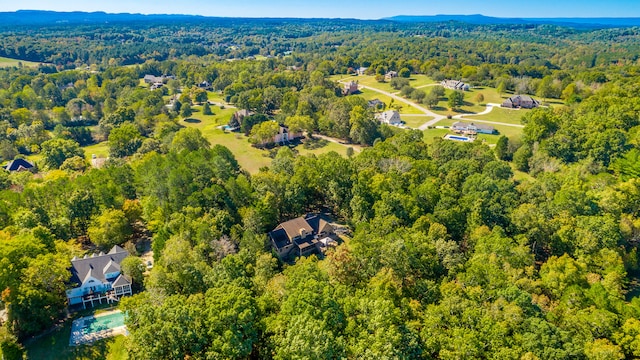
x: 525, y: 250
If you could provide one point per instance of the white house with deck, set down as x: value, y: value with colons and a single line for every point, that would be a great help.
x: 98, y: 278
x: 472, y: 128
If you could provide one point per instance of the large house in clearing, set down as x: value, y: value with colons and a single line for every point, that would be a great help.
x: 98, y: 278
x: 521, y: 101
x: 471, y: 128
x: 285, y: 136
x: 350, y: 88
x: 390, y: 75
x: 302, y: 236
x: 455, y: 85
x: 390, y: 117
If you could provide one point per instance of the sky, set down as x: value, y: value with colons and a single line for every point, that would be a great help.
x: 360, y: 9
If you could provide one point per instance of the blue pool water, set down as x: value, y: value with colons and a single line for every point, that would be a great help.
x: 101, y: 323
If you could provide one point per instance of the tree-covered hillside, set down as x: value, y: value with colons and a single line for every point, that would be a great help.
x: 526, y: 249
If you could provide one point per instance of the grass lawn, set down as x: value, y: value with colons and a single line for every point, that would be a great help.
x: 370, y: 95
x: 370, y: 80
x: 55, y: 346
x: 7, y: 62
x: 415, y: 121
x: 215, y: 96
x: 250, y: 158
x: 508, y: 131
x: 430, y: 134
x: 420, y: 80
x: 471, y: 106
x: 101, y: 150
x: 320, y: 146
x: 404, y: 108
x: 503, y: 115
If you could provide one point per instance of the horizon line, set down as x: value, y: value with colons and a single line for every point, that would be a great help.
x: 311, y: 18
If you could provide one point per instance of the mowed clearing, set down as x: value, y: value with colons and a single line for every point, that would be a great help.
x: 508, y: 131
x: 249, y: 157
x: 8, y: 62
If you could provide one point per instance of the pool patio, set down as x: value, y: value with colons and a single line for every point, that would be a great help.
x: 81, y: 329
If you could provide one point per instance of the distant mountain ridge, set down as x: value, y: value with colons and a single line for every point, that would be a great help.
x: 488, y: 20
x: 44, y: 17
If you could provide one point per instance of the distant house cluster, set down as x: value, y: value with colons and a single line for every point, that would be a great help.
x: 98, y: 278
x: 157, y: 82
x: 462, y: 127
x: 302, y: 236
x: 521, y: 101
x: 390, y: 117
x: 455, y: 85
x: 350, y: 88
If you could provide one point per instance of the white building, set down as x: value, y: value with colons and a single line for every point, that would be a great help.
x: 471, y: 128
x: 98, y: 277
x: 390, y: 117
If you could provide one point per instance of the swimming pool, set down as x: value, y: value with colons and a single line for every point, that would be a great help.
x: 92, y: 328
x: 105, y: 322
x: 458, y: 138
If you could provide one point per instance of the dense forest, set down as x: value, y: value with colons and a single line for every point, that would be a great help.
x: 523, y: 250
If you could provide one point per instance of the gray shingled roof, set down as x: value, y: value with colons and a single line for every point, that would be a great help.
x: 120, y: 281
x: 96, y: 266
x: 312, y: 223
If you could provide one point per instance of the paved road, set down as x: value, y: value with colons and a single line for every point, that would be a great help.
x: 489, y: 108
x: 356, y: 148
x: 437, y: 117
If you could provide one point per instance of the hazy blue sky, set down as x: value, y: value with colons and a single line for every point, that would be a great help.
x: 370, y: 9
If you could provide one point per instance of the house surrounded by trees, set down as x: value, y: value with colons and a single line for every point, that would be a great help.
x: 98, y: 278
x: 301, y: 236
x: 18, y: 165
x: 390, y: 117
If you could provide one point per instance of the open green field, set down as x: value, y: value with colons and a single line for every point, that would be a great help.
x: 215, y: 96
x: 430, y: 134
x: 249, y: 157
x: 420, y: 80
x: 471, y: 106
x: 7, y: 62
x: 403, y: 108
x: 55, y: 346
x: 101, y: 150
x: 415, y: 121
x: 503, y: 115
x: 368, y: 94
x: 320, y: 147
x: 508, y: 131
x: 370, y: 80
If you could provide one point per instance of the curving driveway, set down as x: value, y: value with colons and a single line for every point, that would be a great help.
x: 437, y: 117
